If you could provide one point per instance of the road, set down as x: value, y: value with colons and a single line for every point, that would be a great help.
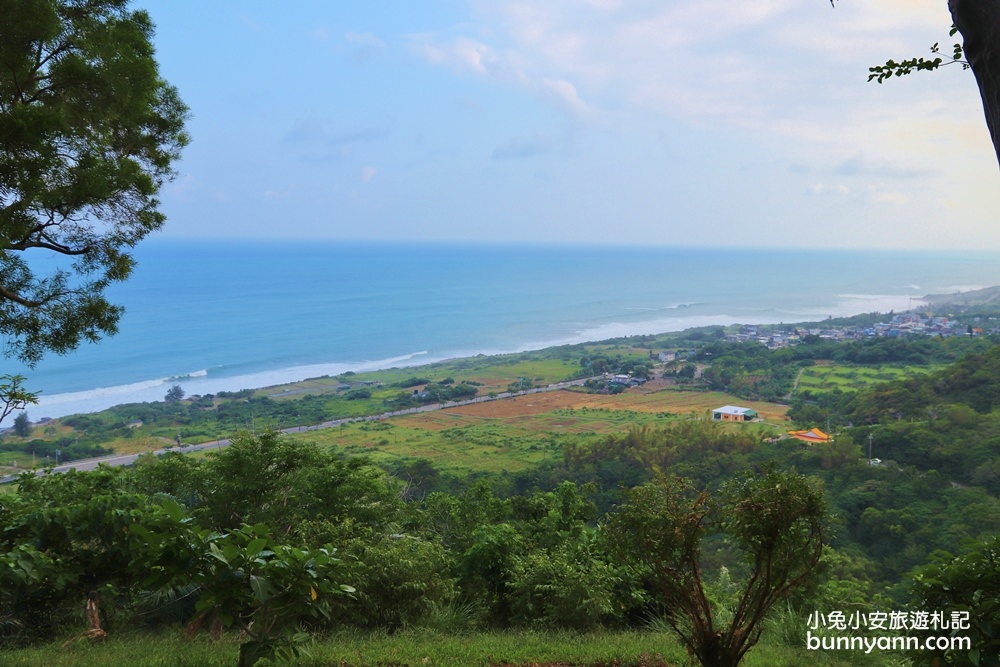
x: 129, y: 459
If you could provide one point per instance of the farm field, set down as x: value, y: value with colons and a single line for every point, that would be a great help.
x: 824, y: 377
x: 518, y: 433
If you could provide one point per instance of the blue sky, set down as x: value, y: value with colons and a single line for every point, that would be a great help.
x: 597, y: 121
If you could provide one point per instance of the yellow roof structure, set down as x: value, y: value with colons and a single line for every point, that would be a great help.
x: 812, y: 435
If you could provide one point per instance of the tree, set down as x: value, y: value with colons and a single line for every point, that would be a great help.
x: 22, y: 427
x: 65, y: 535
x: 243, y: 579
x: 967, y: 585
x: 174, y: 394
x: 775, y: 519
x: 88, y: 133
x: 267, y: 478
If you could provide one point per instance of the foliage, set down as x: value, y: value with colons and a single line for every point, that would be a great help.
x: 174, y: 394
x: 270, y: 479
x: 515, y: 549
x: 400, y: 580
x: 972, y: 380
x: 487, y: 568
x: 244, y: 579
x: 571, y: 586
x: 776, y: 520
x: 88, y: 133
x: 967, y: 584
x: 699, y: 450
x: 65, y: 535
x: 22, y: 426
x: 751, y: 370
x: 892, y: 68
x: 13, y: 395
x: 434, y: 392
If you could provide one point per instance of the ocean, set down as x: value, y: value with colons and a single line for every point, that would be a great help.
x: 214, y: 316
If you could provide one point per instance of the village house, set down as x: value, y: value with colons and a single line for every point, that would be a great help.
x: 733, y: 413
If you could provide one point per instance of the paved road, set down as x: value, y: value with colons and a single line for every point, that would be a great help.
x: 129, y: 459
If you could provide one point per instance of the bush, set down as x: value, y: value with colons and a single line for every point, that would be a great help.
x: 562, y: 589
x: 360, y: 393
x: 399, y: 579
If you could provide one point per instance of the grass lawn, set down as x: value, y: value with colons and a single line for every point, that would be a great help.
x: 426, y: 647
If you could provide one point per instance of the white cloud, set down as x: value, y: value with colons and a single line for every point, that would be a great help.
x: 459, y: 53
x: 565, y: 95
x: 787, y: 74
x: 464, y: 54
x: 794, y: 68
x: 367, y: 174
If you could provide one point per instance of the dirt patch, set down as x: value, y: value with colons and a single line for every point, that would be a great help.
x: 642, y: 399
x: 534, y: 404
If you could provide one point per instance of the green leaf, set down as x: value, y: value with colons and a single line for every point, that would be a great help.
x: 216, y: 553
x: 262, y: 589
x: 255, y: 547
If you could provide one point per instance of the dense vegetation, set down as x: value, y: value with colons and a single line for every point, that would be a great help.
x: 751, y: 370
x: 267, y: 529
x: 278, y: 528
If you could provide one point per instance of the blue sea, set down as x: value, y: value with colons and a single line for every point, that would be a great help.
x: 214, y: 316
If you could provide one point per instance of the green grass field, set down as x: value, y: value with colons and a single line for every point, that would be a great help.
x: 481, y: 446
x: 425, y: 647
x: 820, y: 379
x: 494, y: 374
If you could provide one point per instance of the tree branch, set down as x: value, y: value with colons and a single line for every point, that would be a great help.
x: 19, y: 300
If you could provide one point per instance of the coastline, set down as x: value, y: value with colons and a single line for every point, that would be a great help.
x: 204, y: 381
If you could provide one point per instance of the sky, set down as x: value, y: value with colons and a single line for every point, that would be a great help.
x: 714, y: 122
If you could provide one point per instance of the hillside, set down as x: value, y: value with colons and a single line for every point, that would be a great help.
x: 491, y: 516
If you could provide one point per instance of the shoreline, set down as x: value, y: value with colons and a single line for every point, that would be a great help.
x: 203, y: 382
